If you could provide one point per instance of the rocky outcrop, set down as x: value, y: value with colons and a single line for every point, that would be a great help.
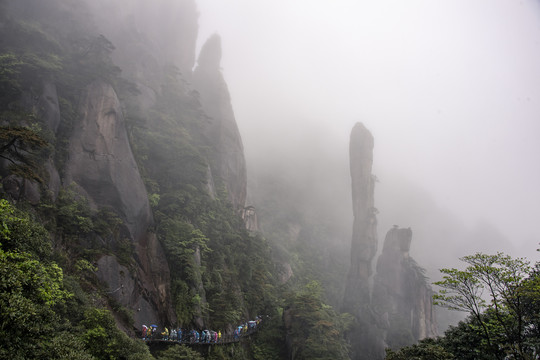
x: 364, y: 238
x: 103, y: 168
x: 229, y: 165
x: 401, y: 293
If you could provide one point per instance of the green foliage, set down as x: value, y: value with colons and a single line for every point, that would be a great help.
x: 269, y: 344
x: 65, y: 346
x: 28, y: 291
x: 21, y: 146
x: 427, y: 349
x: 106, y: 221
x: 179, y: 353
x: 530, y: 296
x: 73, y: 213
x: 315, y: 330
x: 105, y: 341
x: 467, y: 341
x: 30, y: 286
x: 18, y: 232
x: 502, y: 318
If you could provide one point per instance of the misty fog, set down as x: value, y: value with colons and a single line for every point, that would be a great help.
x: 450, y: 91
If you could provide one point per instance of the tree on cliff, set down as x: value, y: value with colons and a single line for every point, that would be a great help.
x: 20, y: 146
x: 502, y: 296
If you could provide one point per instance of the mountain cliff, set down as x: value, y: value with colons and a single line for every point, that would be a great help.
x: 143, y: 174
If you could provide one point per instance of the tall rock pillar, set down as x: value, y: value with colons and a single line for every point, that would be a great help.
x: 364, y: 238
x: 364, y: 335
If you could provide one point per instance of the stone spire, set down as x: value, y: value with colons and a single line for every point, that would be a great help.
x: 364, y: 238
x: 229, y: 165
x: 364, y: 335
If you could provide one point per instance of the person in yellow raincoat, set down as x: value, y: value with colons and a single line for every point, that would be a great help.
x: 165, y: 334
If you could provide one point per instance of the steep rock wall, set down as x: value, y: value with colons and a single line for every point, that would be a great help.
x: 229, y: 164
x: 101, y: 162
x: 102, y: 166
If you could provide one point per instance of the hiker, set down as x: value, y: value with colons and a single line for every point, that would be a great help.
x: 165, y: 334
x: 144, y: 331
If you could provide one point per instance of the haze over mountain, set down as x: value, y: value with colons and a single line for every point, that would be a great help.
x: 450, y: 91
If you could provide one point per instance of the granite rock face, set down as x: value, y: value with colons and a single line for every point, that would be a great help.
x: 101, y: 161
x: 103, y: 168
x: 401, y: 292
x: 229, y: 165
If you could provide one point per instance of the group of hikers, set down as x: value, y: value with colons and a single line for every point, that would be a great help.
x: 199, y: 337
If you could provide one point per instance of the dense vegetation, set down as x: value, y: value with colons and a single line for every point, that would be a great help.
x: 39, y: 301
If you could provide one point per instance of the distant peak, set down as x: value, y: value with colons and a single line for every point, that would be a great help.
x: 210, y: 55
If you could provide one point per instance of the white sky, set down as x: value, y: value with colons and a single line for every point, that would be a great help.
x: 450, y: 90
